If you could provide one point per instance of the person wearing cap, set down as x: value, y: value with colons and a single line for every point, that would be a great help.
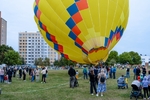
x: 72, y: 73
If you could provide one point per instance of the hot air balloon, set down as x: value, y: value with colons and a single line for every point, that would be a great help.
x: 83, y: 31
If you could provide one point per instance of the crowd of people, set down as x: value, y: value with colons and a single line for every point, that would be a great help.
x: 6, y: 74
x: 97, y: 76
x: 140, y: 74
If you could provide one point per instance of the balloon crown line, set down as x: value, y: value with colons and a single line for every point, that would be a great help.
x: 96, y: 49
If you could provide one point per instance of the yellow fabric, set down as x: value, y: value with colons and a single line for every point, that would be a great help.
x: 91, y: 40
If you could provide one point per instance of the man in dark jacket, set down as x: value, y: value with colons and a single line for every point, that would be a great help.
x: 72, y: 73
x: 138, y: 71
x: 9, y: 73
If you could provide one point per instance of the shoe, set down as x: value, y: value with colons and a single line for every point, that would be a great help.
x: 97, y: 95
x: 144, y: 98
x: 92, y: 94
x: 101, y: 95
x: 41, y: 82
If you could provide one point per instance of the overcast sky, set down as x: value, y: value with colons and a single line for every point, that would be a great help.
x: 136, y: 37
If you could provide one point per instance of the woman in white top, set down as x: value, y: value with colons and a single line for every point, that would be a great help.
x: 43, y: 75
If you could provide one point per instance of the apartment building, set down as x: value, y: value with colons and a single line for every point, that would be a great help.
x: 32, y: 46
x: 3, y: 31
x: 145, y: 59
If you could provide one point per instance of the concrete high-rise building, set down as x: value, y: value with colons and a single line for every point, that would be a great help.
x: 3, y: 31
x: 32, y: 46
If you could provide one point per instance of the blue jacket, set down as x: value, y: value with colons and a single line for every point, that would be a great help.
x: 134, y: 70
x: 114, y: 69
x: 145, y: 82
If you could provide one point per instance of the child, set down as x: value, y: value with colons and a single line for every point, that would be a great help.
x: 141, y: 77
x: 5, y: 79
x: 126, y: 81
x: 77, y: 73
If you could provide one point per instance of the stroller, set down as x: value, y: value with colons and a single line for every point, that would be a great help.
x: 136, y: 90
x: 121, y: 82
x: 76, y: 84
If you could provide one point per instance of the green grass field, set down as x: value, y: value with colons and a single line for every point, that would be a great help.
x: 57, y: 88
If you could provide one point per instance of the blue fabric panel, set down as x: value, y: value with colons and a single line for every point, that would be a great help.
x: 62, y: 54
x: 121, y: 32
x: 106, y: 41
x: 77, y: 0
x: 70, y: 23
x: 35, y: 9
x: 72, y: 9
x: 72, y: 35
x: 116, y: 30
x: 77, y: 45
x: 56, y: 46
x: 111, y: 35
x: 48, y: 36
x: 40, y: 23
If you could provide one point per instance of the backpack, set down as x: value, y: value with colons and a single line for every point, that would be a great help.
x: 102, y: 79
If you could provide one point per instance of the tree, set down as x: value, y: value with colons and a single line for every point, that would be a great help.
x: 3, y: 49
x: 56, y: 63
x: 136, y: 58
x: 23, y: 61
x: 112, y: 58
x: 40, y: 62
x: 46, y: 62
x: 64, y: 62
x: 12, y: 57
x: 125, y: 58
x: 36, y: 62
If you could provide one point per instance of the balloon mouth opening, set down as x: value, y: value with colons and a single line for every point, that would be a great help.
x: 97, y: 49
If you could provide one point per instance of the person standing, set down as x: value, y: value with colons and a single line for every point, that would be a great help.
x: 2, y: 75
x: 114, y: 72
x: 138, y: 71
x: 144, y: 71
x: 96, y: 74
x: 92, y: 82
x: 101, y: 83
x: 72, y: 73
x: 9, y: 73
x: 134, y: 72
x: 128, y: 72
x: 43, y: 75
x: 145, y: 84
x: 20, y: 72
x: 37, y: 73
x: 110, y: 71
x: 148, y: 79
x: 24, y: 74
x: 32, y: 75
x: 85, y: 73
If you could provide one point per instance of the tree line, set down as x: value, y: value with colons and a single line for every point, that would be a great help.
x: 10, y: 57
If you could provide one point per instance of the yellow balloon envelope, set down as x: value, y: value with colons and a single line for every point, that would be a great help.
x: 83, y: 31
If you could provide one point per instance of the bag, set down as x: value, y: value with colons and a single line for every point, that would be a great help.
x: 102, y: 79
